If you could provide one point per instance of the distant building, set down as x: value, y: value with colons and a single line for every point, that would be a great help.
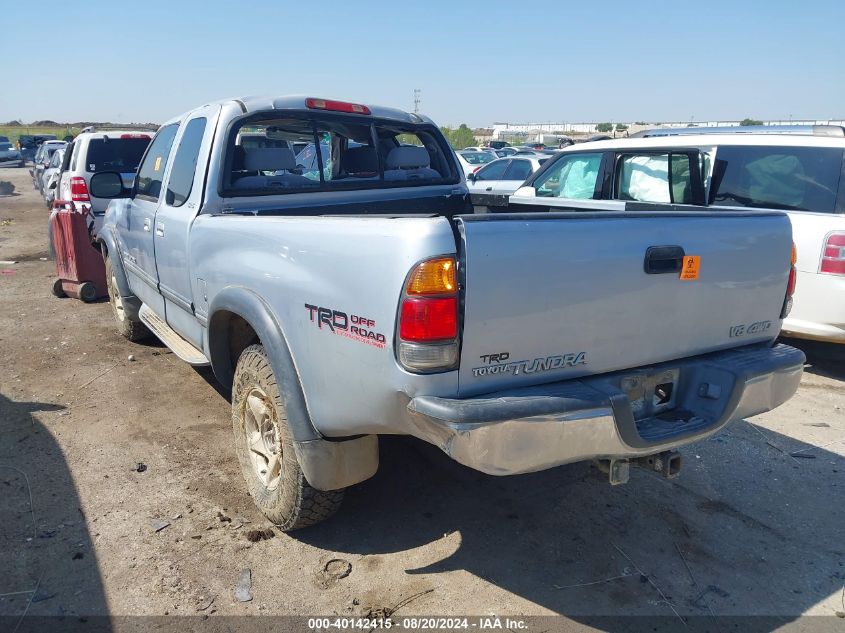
x: 539, y: 131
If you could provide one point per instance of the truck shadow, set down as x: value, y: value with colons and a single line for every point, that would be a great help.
x: 823, y: 359
x: 747, y: 529
x: 48, y: 567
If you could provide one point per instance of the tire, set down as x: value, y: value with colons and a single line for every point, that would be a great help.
x: 127, y: 327
x: 57, y: 289
x: 259, y: 419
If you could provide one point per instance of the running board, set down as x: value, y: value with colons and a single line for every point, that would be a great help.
x: 179, y: 346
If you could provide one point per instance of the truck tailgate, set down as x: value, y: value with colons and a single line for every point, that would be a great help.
x: 560, y: 295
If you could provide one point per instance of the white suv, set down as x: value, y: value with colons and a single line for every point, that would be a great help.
x: 799, y: 169
x: 94, y: 150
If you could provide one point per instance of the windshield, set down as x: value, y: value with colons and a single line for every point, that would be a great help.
x: 118, y: 154
x: 278, y: 154
x: 478, y: 158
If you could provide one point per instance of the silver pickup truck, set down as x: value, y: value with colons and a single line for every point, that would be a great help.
x: 321, y: 256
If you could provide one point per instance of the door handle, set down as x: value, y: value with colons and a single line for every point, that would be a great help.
x: 160, y: 229
x: 660, y: 260
x: 489, y: 189
x: 147, y: 223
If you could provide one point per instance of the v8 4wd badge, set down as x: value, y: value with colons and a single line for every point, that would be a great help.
x: 752, y: 328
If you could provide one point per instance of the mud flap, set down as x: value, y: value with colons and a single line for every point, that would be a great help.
x: 331, y: 465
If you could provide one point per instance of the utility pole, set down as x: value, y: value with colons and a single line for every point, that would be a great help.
x: 417, y: 92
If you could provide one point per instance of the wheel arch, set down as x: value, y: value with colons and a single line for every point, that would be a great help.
x: 108, y: 248
x: 237, y: 318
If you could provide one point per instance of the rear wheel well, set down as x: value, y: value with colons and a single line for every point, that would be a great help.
x: 229, y: 334
x: 240, y: 335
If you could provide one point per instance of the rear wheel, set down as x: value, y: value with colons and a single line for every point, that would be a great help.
x: 264, y: 445
x: 129, y: 328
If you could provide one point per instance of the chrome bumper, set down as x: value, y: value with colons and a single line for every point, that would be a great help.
x: 530, y: 429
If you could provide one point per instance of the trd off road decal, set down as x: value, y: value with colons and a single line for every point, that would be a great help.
x: 350, y: 326
x: 501, y: 364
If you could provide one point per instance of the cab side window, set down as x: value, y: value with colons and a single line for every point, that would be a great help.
x: 493, y: 171
x: 799, y: 178
x: 655, y: 178
x: 518, y: 170
x: 572, y: 176
x: 151, y: 170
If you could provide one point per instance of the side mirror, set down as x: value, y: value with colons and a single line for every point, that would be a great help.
x: 108, y: 184
x: 52, y: 184
x: 473, y: 177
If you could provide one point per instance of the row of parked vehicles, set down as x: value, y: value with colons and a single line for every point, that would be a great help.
x: 62, y: 170
x: 332, y: 264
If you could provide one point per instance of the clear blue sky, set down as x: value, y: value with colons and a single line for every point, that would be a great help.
x: 475, y: 62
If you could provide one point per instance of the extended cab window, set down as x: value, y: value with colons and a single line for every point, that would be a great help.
x: 151, y: 171
x: 800, y: 178
x: 325, y: 152
x: 181, y: 179
x: 655, y: 178
x: 571, y: 176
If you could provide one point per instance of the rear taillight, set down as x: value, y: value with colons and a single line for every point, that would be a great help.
x: 427, y: 332
x: 833, y: 254
x: 790, y: 285
x: 79, y: 190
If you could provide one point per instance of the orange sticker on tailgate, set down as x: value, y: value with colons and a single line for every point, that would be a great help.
x: 692, y: 264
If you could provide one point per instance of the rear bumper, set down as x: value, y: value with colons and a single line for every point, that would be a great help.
x: 530, y: 429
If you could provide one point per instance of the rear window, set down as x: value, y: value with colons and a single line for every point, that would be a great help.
x: 478, y: 158
x: 298, y: 153
x: 5, y: 147
x: 797, y: 178
x: 115, y: 154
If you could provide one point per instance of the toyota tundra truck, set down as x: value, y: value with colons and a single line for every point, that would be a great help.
x: 336, y: 280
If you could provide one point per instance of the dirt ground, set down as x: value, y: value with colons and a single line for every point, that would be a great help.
x: 753, y: 526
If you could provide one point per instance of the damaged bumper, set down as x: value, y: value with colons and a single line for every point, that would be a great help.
x: 613, y: 416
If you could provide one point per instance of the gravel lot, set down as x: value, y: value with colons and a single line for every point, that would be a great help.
x: 754, y: 525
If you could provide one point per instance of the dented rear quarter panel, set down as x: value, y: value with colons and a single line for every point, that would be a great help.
x: 355, y: 265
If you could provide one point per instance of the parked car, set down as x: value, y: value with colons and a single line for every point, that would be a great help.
x: 95, y: 150
x: 10, y: 156
x: 50, y: 177
x: 797, y: 169
x: 346, y: 303
x: 471, y: 161
x: 490, y: 186
x: 41, y: 160
x: 28, y: 144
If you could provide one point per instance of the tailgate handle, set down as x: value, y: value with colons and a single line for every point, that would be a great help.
x: 660, y: 260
